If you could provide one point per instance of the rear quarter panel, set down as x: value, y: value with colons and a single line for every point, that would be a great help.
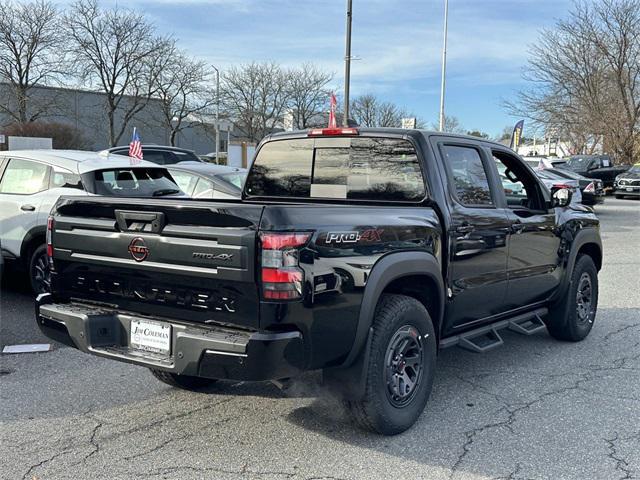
x: 347, y: 243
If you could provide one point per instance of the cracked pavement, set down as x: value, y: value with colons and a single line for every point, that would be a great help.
x: 534, y: 408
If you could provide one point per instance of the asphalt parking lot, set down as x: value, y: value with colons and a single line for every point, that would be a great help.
x: 535, y: 408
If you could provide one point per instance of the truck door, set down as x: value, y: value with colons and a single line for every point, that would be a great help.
x: 477, y: 237
x: 533, y: 246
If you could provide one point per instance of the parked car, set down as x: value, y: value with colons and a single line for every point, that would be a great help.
x: 160, y: 154
x: 540, y: 161
x: 627, y: 184
x: 592, y: 188
x: 238, y: 289
x: 554, y: 181
x: 32, y: 181
x: 205, y: 180
x: 595, y: 166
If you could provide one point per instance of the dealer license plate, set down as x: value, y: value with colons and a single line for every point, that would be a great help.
x: 151, y: 336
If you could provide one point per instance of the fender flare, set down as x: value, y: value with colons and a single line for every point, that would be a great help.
x: 583, y: 237
x: 389, y: 268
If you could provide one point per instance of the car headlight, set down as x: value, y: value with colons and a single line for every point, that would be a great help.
x: 622, y: 182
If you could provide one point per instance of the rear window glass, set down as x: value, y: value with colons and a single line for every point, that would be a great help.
x: 348, y: 168
x: 131, y: 182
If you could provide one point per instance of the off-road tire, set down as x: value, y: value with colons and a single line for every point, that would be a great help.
x: 379, y: 411
x: 185, y: 382
x: 39, y: 273
x: 569, y: 319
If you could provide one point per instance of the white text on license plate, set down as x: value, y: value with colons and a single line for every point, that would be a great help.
x: 151, y: 336
x: 629, y: 189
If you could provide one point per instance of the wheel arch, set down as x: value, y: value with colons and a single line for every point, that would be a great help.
x: 415, y: 274
x: 34, y: 237
x: 406, y: 273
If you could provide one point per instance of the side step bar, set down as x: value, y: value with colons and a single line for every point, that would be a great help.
x: 483, y: 339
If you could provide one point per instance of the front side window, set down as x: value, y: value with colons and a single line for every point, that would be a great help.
x: 468, y: 174
x: 24, y: 176
x: 362, y: 168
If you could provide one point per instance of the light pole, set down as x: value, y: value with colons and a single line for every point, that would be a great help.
x: 217, y: 113
x: 347, y: 66
x: 444, y: 64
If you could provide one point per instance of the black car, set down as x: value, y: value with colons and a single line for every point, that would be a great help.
x: 265, y: 287
x: 627, y: 184
x: 592, y: 188
x: 160, y: 154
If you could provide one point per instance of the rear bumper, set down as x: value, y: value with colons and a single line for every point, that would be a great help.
x: 204, y: 351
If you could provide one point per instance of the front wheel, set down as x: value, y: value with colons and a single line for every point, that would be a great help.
x: 400, y: 368
x: 39, y: 270
x: 571, y: 319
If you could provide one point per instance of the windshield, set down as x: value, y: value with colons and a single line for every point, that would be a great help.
x: 578, y: 163
x: 131, y: 182
x: 635, y: 168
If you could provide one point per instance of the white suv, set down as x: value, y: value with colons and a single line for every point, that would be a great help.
x: 32, y: 181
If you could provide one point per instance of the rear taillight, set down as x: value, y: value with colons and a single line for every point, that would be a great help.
x: 282, y: 278
x: 590, y: 188
x: 50, y: 223
x: 322, y: 132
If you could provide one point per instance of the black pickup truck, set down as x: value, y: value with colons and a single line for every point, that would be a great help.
x: 596, y: 166
x: 361, y: 252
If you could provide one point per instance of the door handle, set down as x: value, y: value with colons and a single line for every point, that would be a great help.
x: 27, y: 208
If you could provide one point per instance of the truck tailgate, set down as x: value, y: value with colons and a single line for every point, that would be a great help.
x: 181, y: 259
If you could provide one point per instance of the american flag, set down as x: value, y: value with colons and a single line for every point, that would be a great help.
x: 135, y: 147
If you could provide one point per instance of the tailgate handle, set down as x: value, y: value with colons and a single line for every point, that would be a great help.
x: 140, y: 221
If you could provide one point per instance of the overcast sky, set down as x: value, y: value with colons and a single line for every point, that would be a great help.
x: 399, y: 43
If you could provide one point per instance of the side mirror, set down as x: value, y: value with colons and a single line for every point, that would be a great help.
x: 561, y: 196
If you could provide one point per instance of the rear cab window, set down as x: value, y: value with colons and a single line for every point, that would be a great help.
x: 358, y: 168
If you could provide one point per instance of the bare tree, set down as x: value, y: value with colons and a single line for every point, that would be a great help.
x: 257, y: 96
x: 119, y: 54
x: 30, y: 55
x: 369, y: 111
x: 585, y: 76
x: 451, y: 125
x: 308, y: 94
x: 183, y: 93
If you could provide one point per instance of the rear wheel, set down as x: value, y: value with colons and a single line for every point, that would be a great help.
x: 572, y: 318
x: 400, y: 367
x: 185, y: 382
x: 39, y: 270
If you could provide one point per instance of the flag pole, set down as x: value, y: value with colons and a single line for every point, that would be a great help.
x: 444, y: 65
x: 347, y: 66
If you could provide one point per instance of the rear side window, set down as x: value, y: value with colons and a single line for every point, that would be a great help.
x: 468, y: 174
x: 345, y: 168
x: 25, y: 177
x: 131, y: 182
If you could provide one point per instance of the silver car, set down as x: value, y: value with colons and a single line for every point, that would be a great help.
x: 32, y: 181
